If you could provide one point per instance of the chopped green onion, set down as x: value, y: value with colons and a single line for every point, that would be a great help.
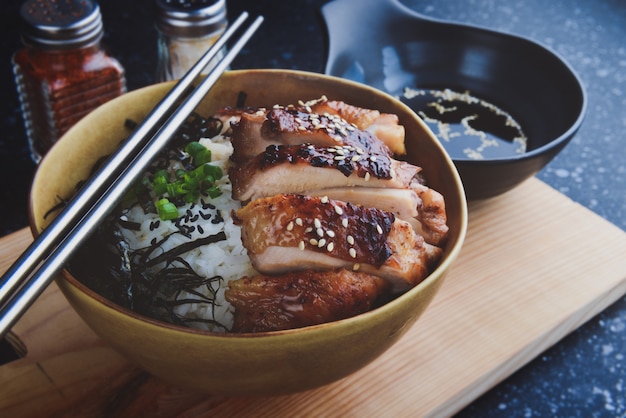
x: 198, y: 152
x: 208, y: 170
x: 214, y: 192
x: 187, y: 186
x: 193, y: 148
x: 166, y: 210
x: 202, y: 157
x: 160, y: 182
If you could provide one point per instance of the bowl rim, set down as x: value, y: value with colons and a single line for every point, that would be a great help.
x: 439, y: 271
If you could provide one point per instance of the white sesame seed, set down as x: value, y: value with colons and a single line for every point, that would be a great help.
x: 338, y: 210
x: 339, y: 157
x: 313, y: 241
x: 308, y: 109
x: 356, y: 266
x: 330, y: 247
x: 324, y: 199
x: 373, y: 158
x: 330, y: 233
x: 337, y: 138
x: 340, y: 151
x: 299, y: 221
x: 360, y: 151
x: 309, y: 229
x: 344, y: 222
x: 301, y: 245
x: 321, y: 243
x: 290, y: 226
x: 301, y: 128
x: 355, y: 158
x: 297, y: 119
x: 350, y: 239
x: 320, y: 232
x: 379, y: 229
x: 317, y: 223
x: 352, y: 252
x: 367, y: 176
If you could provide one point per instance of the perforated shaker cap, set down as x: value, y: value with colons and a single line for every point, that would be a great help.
x: 60, y: 24
x: 190, y: 18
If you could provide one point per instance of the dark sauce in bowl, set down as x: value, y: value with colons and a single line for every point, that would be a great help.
x: 468, y: 127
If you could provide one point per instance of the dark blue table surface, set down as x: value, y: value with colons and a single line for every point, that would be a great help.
x: 584, y: 375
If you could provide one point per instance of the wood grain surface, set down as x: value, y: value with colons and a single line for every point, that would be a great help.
x: 535, y: 266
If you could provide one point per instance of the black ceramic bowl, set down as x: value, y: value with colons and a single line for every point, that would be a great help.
x: 388, y: 46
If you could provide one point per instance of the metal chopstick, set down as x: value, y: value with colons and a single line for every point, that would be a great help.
x: 35, y: 269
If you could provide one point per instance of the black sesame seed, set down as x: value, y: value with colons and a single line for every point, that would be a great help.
x: 218, y: 218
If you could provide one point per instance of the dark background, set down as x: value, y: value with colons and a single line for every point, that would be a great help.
x: 584, y: 375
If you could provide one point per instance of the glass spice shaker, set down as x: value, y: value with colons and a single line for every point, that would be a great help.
x: 63, y: 72
x: 186, y: 30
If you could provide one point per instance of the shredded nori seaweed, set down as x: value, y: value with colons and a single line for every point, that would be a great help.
x: 135, y: 280
x: 106, y: 264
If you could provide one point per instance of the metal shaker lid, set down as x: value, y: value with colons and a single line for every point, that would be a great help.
x: 190, y: 18
x: 60, y: 24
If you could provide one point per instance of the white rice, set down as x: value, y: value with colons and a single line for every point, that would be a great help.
x: 227, y: 259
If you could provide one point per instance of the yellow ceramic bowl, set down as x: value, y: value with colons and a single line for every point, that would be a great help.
x: 264, y: 363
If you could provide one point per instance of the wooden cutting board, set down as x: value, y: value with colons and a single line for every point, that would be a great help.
x: 534, y: 267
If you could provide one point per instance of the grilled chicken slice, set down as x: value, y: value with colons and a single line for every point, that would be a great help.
x: 384, y: 126
x: 402, y: 203
x: 302, y: 168
x: 299, y: 299
x: 290, y: 232
x: 431, y: 214
x: 428, y: 218
x: 290, y: 126
x: 343, y: 173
